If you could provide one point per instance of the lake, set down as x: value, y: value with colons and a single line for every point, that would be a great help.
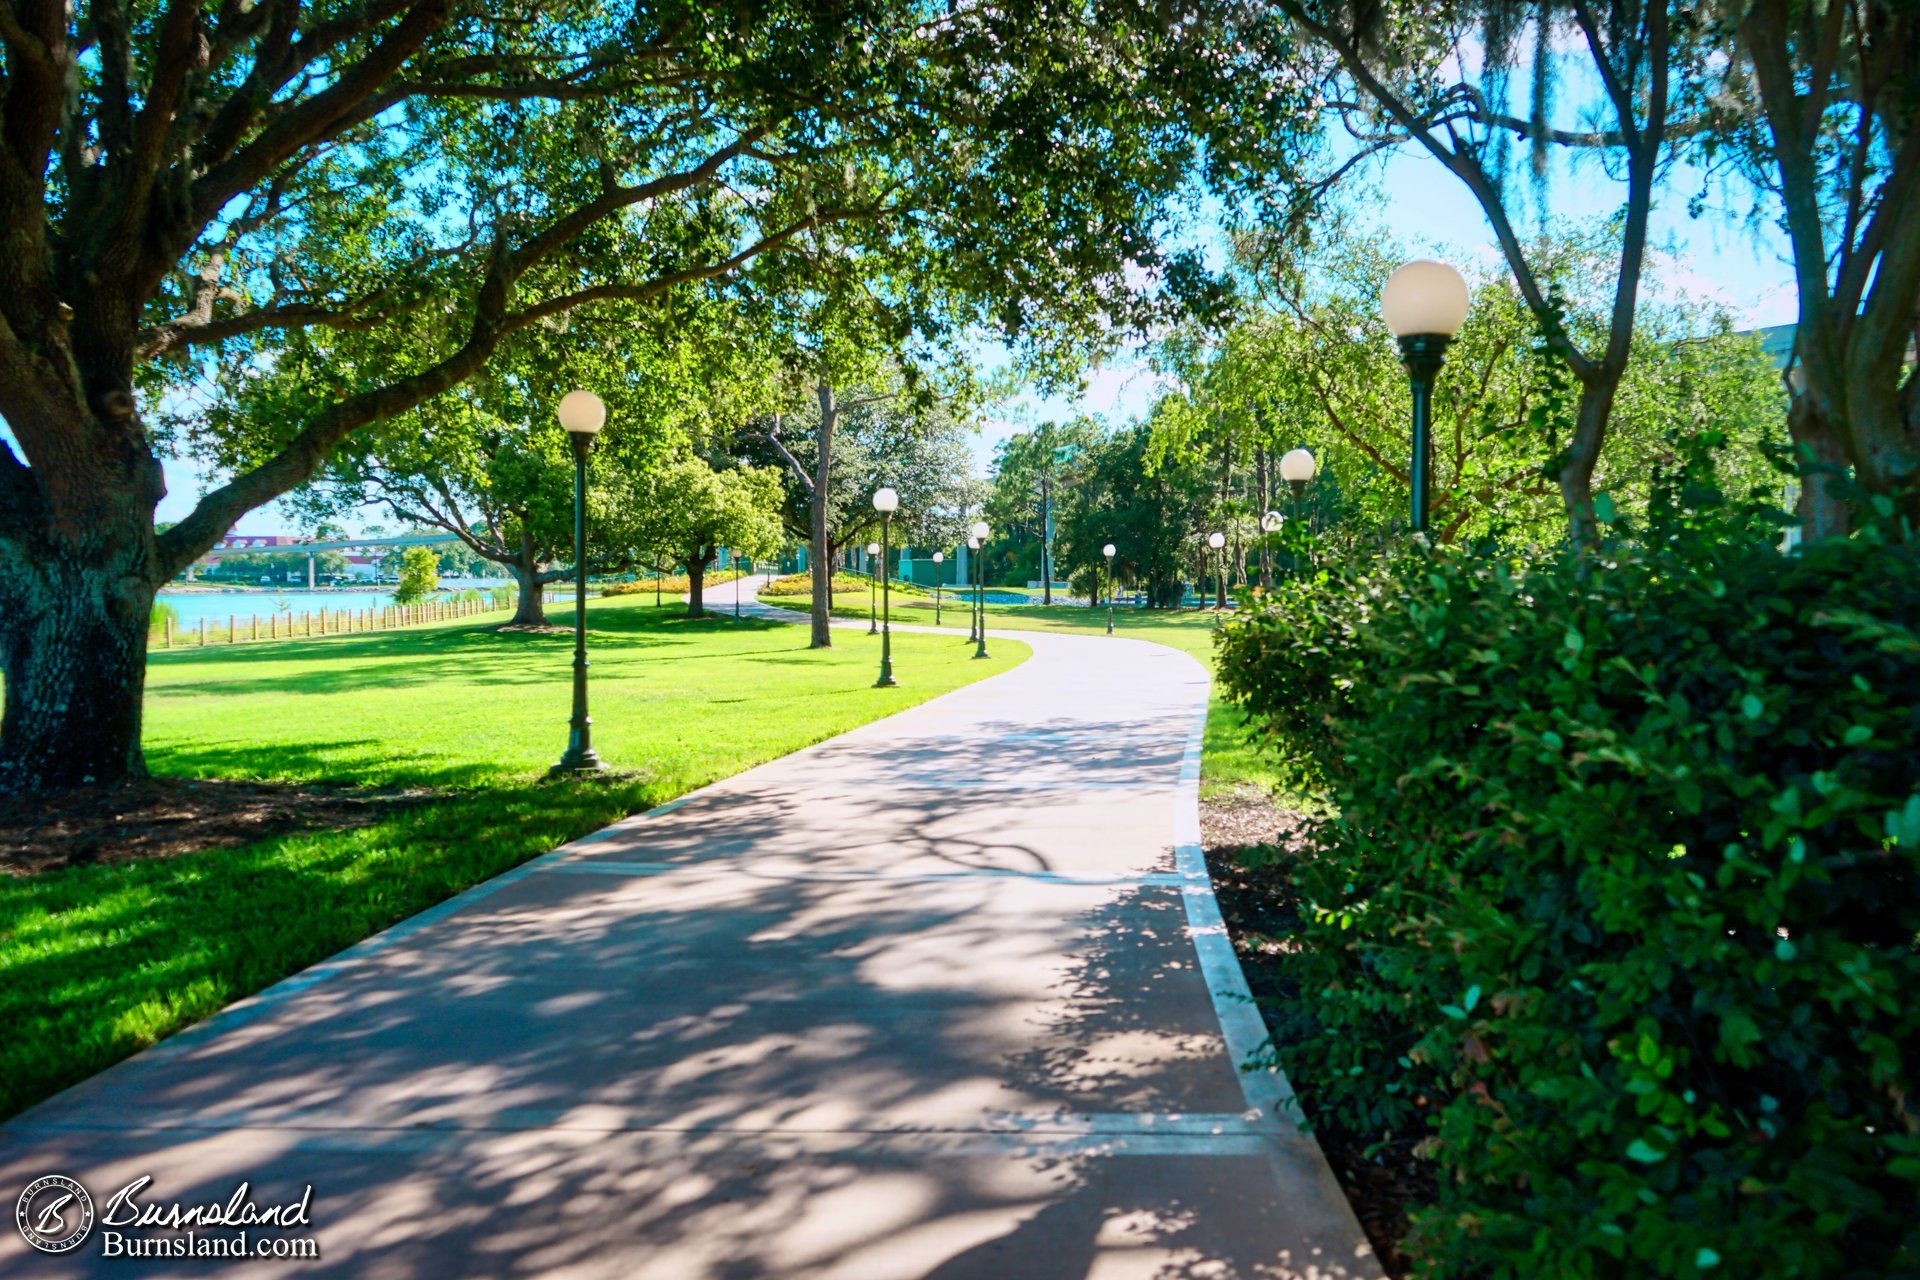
x: 217, y: 606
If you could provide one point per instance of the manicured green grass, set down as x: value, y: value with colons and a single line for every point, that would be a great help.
x: 1229, y: 760
x: 97, y: 962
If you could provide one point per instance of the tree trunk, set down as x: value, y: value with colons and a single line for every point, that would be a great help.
x: 1264, y: 481
x: 1046, y: 538
x: 79, y: 568
x: 1879, y: 424
x: 1583, y: 454
x: 821, y: 549
x: 531, y: 608
x: 697, y: 584
x: 73, y: 648
x: 1822, y: 506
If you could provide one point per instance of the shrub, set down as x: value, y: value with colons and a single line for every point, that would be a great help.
x: 1622, y: 899
x: 801, y: 584
x: 676, y: 585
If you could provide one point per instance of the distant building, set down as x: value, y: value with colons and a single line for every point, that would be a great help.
x: 261, y: 542
x: 1777, y: 341
x: 246, y: 544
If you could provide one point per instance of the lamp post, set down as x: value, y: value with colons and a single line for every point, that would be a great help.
x: 1218, y: 542
x: 1296, y: 468
x: 582, y: 414
x: 1107, y: 551
x: 873, y: 587
x: 939, y: 558
x: 980, y: 589
x: 886, y: 502
x: 1424, y: 303
x: 973, y: 605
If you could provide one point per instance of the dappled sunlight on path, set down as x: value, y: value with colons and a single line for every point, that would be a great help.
x: 920, y: 1001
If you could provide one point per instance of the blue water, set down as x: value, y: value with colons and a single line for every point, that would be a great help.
x: 217, y: 606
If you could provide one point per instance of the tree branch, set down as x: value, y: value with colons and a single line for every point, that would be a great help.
x: 173, y: 64
x: 314, y: 117
x: 200, y: 327
x: 772, y: 434
x: 660, y: 284
x: 1462, y: 165
x: 298, y: 460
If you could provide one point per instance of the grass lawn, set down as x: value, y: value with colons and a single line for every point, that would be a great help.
x: 97, y: 962
x: 1229, y: 761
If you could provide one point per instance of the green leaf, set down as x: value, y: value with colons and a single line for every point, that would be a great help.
x: 1603, y: 509
x: 1857, y: 734
x: 1472, y: 998
x: 1706, y: 1259
x: 1903, y: 824
x: 1752, y: 707
x: 1639, y: 1149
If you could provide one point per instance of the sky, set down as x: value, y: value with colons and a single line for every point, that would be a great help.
x: 1715, y: 258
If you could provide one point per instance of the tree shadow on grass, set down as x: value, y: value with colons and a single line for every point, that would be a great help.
x: 340, y: 762
x: 469, y: 655
x: 105, y: 959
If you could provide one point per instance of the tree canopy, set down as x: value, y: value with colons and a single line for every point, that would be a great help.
x: 185, y: 190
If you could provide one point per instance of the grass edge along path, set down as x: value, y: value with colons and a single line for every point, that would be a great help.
x: 98, y: 962
x: 1229, y: 761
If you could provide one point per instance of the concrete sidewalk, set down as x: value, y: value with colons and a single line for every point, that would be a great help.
x: 947, y: 996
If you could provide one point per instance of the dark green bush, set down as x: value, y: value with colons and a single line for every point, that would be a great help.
x: 1623, y: 899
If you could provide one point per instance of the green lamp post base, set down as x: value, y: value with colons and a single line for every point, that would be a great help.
x: 583, y: 762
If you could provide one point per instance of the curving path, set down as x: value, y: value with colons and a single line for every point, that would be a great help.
x: 946, y: 996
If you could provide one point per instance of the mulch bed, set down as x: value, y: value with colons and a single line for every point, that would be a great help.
x: 1248, y: 839
x: 162, y: 817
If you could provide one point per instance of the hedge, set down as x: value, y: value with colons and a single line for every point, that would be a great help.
x: 1621, y: 901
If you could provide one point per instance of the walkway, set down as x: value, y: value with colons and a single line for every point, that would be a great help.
x: 921, y: 1001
